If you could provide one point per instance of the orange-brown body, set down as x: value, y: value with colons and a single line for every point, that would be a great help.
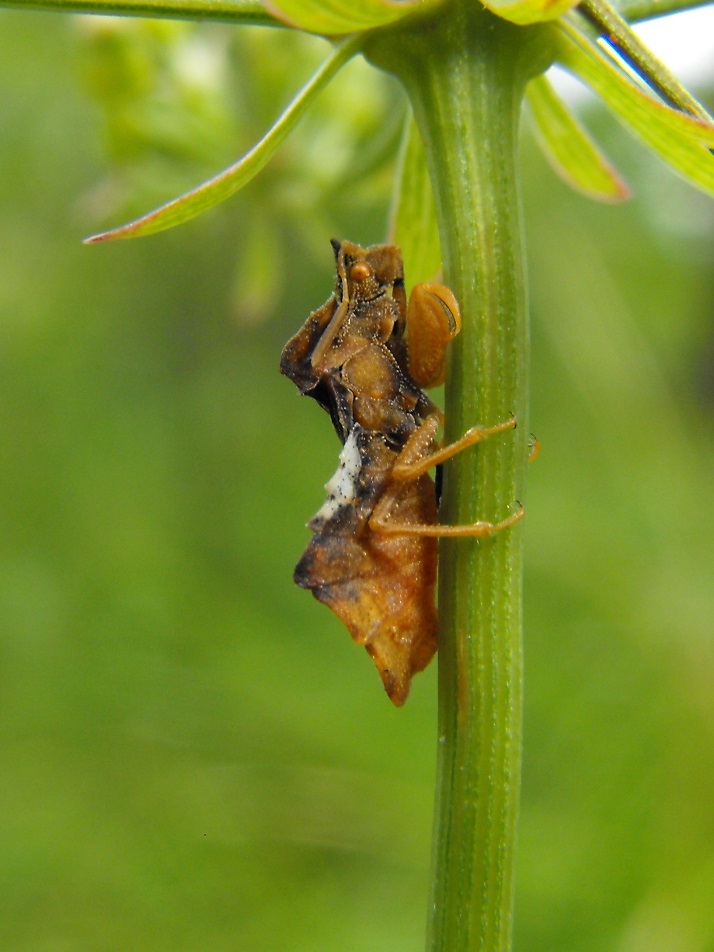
x: 364, y: 356
x: 381, y: 586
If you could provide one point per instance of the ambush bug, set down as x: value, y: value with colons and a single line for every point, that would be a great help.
x: 365, y: 357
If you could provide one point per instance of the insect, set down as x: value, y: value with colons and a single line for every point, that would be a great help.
x: 365, y: 357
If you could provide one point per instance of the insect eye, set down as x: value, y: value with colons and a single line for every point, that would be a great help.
x: 360, y: 271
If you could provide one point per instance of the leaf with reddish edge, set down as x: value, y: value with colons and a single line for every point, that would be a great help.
x: 230, y: 180
x: 568, y: 147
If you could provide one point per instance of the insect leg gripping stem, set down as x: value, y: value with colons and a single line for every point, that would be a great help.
x: 476, y: 530
x: 413, y: 462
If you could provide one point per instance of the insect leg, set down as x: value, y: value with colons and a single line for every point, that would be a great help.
x: 379, y: 522
x: 327, y: 339
x: 412, y: 463
x: 535, y: 449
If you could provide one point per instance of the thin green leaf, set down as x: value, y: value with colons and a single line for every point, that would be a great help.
x: 569, y: 148
x: 618, y: 34
x: 225, y: 11
x: 636, y: 10
x: 230, y: 180
x: 253, y: 11
x: 677, y: 138
x: 413, y: 221
x: 335, y: 17
x: 525, y: 12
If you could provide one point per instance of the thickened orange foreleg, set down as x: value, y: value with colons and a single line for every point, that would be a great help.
x: 433, y: 319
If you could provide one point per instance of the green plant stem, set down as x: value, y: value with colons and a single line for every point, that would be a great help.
x: 465, y: 74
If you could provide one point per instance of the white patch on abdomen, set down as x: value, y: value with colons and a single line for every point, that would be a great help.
x: 342, y: 488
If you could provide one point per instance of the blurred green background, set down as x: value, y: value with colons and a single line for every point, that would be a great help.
x: 193, y: 754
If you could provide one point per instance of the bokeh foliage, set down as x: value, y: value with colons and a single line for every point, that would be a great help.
x: 194, y: 754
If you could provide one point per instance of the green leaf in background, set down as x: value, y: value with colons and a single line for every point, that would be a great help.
x: 413, y: 224
x: 678, y: 138
x: 166, y: 108
x: 254, y: 12
x: 230, y: 180
x: 335, y: 17
x: 248, y: 12
x: 568, y: 147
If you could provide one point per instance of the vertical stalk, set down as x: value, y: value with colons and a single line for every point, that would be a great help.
x: 465, y: 72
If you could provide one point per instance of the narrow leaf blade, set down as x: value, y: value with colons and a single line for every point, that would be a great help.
x: 569, y: 148
x: 524, y: 12
x: 618, y: 34
x: 226, y: 11
x: 413, y: 225
x: 680, y: 139
x: 233, y: 178
x: 336, y: 17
